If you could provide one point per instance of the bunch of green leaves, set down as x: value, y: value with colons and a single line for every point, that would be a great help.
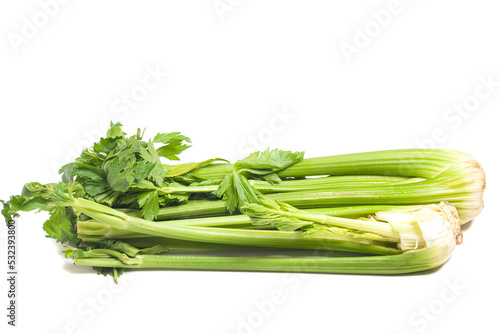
x: 264, y: 165
x: 235, y: 189
x: 51, y: 198
x: 120, y: 170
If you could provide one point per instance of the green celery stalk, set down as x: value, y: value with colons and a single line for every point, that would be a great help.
x: 341, y: 182
x: 260, y: 238
x: 408, y: 262
x: 92, y: 230
x: 461, y: 184
x: 423, y: 163
x: 438, y: 225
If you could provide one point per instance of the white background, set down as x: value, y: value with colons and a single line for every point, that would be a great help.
x: 231, y: 70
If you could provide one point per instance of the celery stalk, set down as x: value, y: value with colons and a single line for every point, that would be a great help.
x: 461, y: 184
x: 439, y: 226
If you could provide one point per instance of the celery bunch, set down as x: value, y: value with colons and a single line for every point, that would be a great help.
x: 119, y: 206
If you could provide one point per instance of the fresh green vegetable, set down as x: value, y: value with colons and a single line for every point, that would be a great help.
x: 119, y: 205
